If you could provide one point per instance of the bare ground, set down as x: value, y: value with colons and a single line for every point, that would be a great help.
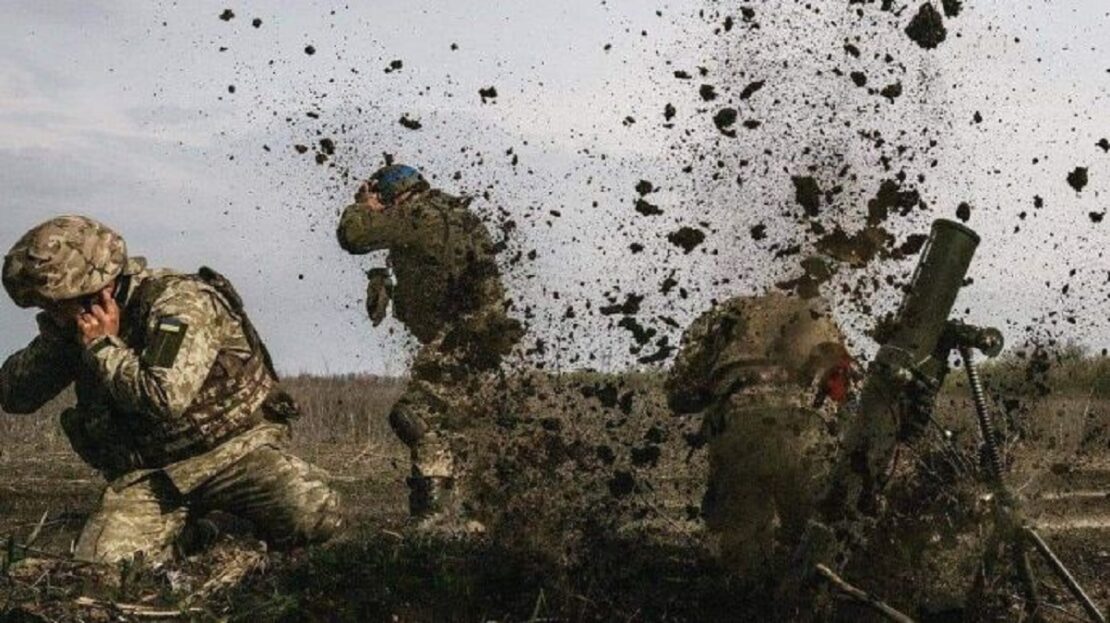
x: 593, y: 516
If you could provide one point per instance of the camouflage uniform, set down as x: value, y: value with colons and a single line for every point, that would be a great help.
x: 180, y: 412
x: 448, y: 293
x: 768, y: 372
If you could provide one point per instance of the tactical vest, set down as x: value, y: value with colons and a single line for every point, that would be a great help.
x: 236, y: 395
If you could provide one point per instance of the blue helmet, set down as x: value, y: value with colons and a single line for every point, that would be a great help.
x: 393, y: 180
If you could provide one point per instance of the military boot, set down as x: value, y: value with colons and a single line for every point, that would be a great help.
x: 435, y: 508
x: 198, y: 536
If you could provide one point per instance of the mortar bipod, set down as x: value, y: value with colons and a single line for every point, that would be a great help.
x: 1011, y: 528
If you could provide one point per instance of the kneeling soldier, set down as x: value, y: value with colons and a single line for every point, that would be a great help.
x: 178, y: 404
x: 769, y: 374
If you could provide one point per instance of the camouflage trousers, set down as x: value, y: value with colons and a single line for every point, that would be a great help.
x: 287, y: 499
x: 767, y: 463
x: 441, y: 400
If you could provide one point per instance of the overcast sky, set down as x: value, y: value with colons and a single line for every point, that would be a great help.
x: 178, y: 129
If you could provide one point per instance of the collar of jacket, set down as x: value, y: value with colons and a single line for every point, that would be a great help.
x: 133, y: 274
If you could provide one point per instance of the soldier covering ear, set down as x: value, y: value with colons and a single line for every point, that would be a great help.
x: 448, y: 293
x: 178, y: 403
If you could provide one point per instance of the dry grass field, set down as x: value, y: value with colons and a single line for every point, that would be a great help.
x: 590, y: 491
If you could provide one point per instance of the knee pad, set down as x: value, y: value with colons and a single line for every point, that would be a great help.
x: 315, y: 522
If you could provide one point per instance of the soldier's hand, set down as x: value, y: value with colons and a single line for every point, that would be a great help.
x: 362, y: 193
x: 367, y: 198
x: 101, y: 320
x: 379, y: 291
x: 374, y: 204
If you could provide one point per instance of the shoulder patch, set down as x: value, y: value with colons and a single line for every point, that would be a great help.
x: 162, y: 350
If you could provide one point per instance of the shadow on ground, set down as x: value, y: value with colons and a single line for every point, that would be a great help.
x: 376, y: 576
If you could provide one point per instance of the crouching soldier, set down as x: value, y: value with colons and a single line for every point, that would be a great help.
x: 448, y: 293
x: 769, y: 373
x: 178, y: 404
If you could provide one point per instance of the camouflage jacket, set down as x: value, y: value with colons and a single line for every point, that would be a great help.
x: 774, y: 347
x: 442, y: 257
x: 186, y: 374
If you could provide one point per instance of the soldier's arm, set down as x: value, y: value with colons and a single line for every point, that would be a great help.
x: 688, y: 383
x: 33, y: 376
x: 185, y: 330
x: 362, y: 231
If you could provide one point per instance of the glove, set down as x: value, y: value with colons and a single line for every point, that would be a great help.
x: 379, y: 291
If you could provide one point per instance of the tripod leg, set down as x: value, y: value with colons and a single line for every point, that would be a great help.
x: 1028, y: 580
x: 1062, y: 572
x: 977, y: 594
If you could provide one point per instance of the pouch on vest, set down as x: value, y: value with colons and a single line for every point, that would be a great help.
x: 98, y: 440
x: 279, y: 406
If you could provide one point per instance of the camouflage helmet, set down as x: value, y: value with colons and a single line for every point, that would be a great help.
x: 394, y: 180
x: 64, y: 258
